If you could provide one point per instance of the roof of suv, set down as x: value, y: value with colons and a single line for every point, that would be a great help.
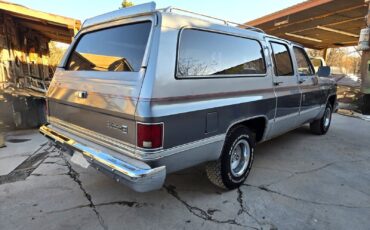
x: 196, y: 19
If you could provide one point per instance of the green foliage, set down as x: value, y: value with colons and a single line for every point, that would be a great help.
x: 126, y: 3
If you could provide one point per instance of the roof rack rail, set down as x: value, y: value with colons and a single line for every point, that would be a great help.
x: 226, y: 22
x: 120, y: 13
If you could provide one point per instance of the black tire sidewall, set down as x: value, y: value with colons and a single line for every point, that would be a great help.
x: 323, y: 128
x: 237, y: 134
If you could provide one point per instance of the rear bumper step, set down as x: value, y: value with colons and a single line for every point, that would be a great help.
x: 141, y: 178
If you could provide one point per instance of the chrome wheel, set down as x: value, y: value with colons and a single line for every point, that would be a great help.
x: 327, y: 117
x: 240, y: 157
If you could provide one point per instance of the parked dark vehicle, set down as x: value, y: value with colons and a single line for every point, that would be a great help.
x: 143, y: 92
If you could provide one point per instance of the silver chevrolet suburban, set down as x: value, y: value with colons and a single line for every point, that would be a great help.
x: 143, y: 92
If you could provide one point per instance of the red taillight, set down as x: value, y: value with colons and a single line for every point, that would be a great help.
x: 149, y: 136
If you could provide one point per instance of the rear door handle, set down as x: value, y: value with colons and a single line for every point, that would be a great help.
x: 81, y: 94
x: 276, y: 83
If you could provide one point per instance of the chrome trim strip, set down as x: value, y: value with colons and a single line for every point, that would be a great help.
x: 309, y: 110
x: 207, y: 96
x: 137, y: 153
x: 185, y: 147
x: 292, y: 115
x: 106, y: 141
x: 153, y: 177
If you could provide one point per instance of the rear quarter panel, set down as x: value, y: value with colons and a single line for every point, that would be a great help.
x: 184, y: 105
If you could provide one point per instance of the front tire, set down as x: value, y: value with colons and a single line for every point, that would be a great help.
x: 233, y: 167
x: 322, y: 125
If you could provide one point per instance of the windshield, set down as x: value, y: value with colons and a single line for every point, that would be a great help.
x: 119, y: 48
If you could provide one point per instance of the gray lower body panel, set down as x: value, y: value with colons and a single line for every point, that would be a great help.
x: 141, y: 175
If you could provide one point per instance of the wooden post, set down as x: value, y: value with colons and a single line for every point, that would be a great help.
x: 325, y: 54
x: 2, y: 140
x: 365, y: 78
x: 365, y: 57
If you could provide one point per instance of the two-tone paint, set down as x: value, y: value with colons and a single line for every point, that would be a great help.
x: 197, y: 113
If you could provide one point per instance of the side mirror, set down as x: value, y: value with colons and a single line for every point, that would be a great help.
x: 324, y: 71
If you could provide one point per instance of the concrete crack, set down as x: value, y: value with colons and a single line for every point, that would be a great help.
x: 131, y: 204
x: 69, y: 209
x: 293, y: 174
x: 325, y: 166
x: 273, y: 169
x: 200, y: 213
x: 212, y: 211
x: 245, y: 209
x: 59, y: 174
x: 241, y: 203
x: 264, y: 188
x: 75, y: 176
x: 54, y: 163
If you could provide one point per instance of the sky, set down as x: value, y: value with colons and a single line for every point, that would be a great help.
x: 239, y: 11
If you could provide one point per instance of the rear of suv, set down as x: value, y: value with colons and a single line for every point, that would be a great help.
x: 94, y: 93
x: 144, y: 92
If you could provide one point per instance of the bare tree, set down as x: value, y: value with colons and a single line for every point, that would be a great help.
x: 194, y: 67
x: 56, y: 53
x: 343, y: 58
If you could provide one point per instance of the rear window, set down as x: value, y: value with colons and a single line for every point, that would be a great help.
x: 203, y: 53
x: 115, y: 49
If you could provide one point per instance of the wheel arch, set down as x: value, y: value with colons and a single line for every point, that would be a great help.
x: 257, y: 124
x: 332, y: 98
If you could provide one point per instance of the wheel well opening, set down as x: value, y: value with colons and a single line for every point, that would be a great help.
x: 332, y: 100
x: 257, y: 125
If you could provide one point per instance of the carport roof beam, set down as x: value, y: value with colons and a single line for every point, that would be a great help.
x: 303, y: 37
x: 339, y: 21
x: 337, y: 31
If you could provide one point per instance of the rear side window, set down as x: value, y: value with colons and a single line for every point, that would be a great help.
x: 203, y: 53
x: 115, y: 49
x: 282, y: 60
x: 304, y: 65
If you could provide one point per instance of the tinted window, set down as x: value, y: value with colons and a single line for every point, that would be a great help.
x: 115, y: 49
x: 304, y: 65
x: 204, y: 53
x: 282, y: 60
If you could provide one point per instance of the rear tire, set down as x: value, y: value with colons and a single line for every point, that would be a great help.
x: 232, y: 169
x: 322, y: 125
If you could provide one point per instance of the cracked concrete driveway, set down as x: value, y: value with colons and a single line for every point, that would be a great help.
x: 298, y: 181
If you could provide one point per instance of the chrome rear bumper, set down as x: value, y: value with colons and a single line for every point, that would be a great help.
x: 135, y: 174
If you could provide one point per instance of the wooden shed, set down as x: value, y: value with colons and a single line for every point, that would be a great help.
x: 25, y: 72
x: 24, y: 45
